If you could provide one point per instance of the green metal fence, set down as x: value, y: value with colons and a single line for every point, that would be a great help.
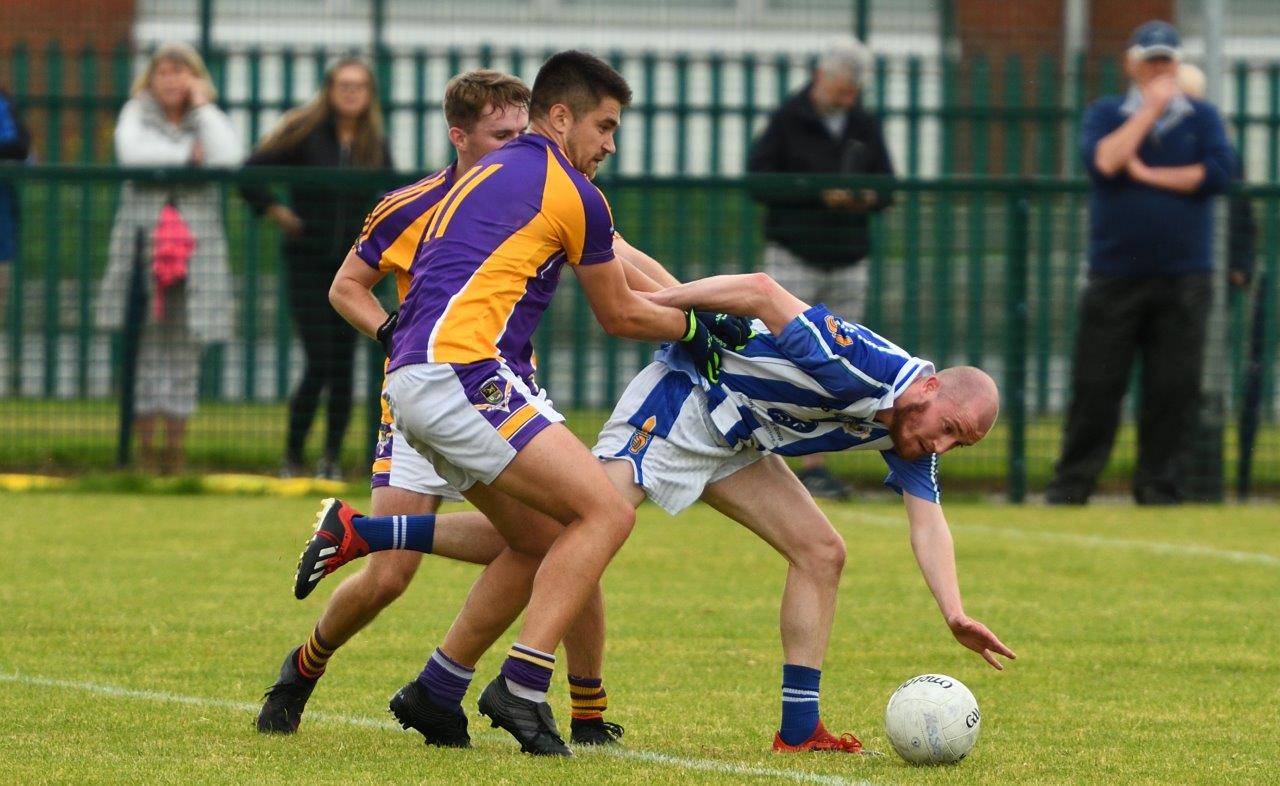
x: 695, y: 113
x: 967, y: 269
x: 978, y: 261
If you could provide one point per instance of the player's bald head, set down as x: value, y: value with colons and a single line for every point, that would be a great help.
x: 578, y: 80
x: 974, y: 391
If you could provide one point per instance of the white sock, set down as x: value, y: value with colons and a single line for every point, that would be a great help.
x: 516, y: 688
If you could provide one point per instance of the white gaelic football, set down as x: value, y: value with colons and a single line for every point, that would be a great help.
x: 932, y: 719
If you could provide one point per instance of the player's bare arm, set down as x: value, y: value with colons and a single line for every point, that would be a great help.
x: 743, y: 294
x: 643, y: 263
x: 351, y: 295
x: 935, y: 554
x: 621, y: 311
x: 637, y: 279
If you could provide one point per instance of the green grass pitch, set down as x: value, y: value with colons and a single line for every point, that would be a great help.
x: 139, y: 631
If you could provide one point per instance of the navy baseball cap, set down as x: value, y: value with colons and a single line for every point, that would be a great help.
x: 1155, y: 39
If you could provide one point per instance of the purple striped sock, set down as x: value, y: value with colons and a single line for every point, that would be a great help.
x: 445, y: 679
x: 529, y: 667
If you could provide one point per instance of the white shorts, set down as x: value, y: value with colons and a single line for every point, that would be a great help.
x: 661, y: 425
x: 407, y: 469
x: 397, y: 464
x: 468, y: 420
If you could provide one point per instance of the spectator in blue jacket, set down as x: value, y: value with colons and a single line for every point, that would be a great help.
x: 1155, y: 158
x: 15, y: 147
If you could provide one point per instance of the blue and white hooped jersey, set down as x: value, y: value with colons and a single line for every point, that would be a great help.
x: 815, y: 388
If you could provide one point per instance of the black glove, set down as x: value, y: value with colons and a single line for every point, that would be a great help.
x: 733, y: 331
x: 383, y: 334
x: 703, y: 347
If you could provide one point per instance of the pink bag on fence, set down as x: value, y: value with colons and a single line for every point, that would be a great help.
x: 172, y: 244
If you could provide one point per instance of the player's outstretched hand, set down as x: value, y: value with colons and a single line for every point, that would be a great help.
x: 704, y: 348
x: 733, y: 331
x: 980, y: 639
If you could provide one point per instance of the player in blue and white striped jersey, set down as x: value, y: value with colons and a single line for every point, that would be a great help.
x: 808, y: 382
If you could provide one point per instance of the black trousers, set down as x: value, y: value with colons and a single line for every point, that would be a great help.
x: 1161, y: 321
x: 329, y: 344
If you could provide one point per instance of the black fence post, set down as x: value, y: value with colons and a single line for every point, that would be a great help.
x: 1251, y: 403
x: 134, y: 314
x: 1014, y: 396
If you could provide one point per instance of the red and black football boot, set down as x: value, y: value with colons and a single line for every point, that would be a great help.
x: 334, y: 543
x: 820, y: 740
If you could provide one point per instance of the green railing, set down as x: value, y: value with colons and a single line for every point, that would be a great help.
x: 966, y: 269
x: 694, y: 112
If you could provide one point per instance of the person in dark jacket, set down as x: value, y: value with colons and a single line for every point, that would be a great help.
x: 816, y: 242
x: 340, y: 127
x: 1155, y: 158
x: 15, y: 147
x: 1242, y: 228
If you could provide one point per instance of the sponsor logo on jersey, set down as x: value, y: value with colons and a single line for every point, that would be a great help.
x: 790, y: 421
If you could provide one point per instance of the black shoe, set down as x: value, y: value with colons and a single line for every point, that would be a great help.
x: 1158, y: 497
x: 1065, y: 496
x: 596, y: 731
x: 439, y: 726
x: 284, y: 702
x: 821, y: 484
x: 529, y: 722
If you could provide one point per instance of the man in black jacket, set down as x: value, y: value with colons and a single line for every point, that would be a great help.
x: 816, y: 242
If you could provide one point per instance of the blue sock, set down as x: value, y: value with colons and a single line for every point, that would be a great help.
x: 799, y: 702
x: 446, y: 680
x: 384, y: 533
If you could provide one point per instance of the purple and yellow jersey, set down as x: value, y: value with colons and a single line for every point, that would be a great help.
x: 491, y: 257
x: 392, y: 230
x: 389, y: 243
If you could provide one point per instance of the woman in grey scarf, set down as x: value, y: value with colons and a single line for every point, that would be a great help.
x: 171, y: 120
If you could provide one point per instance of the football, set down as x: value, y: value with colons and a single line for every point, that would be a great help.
x: 932, y: 719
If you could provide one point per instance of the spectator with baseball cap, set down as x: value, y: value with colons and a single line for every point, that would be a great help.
x: 1155, y: 158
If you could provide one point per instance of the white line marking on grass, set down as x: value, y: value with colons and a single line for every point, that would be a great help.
x: 680, y: 762
x: 1100, y: 541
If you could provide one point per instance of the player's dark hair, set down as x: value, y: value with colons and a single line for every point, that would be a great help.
x: 578, y: 80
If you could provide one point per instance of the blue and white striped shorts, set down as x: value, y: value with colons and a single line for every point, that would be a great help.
x: 661, y: 425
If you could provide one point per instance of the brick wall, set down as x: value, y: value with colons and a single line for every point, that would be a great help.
x: 73, y: 26
x: 1032, y: 30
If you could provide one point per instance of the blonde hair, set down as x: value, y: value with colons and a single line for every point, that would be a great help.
x: 466, y: 96
x: 176, y: 52
x: 297, y: 124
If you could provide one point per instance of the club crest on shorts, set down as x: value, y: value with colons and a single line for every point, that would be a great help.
x: 642, y: 436
x: 496, y: 392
